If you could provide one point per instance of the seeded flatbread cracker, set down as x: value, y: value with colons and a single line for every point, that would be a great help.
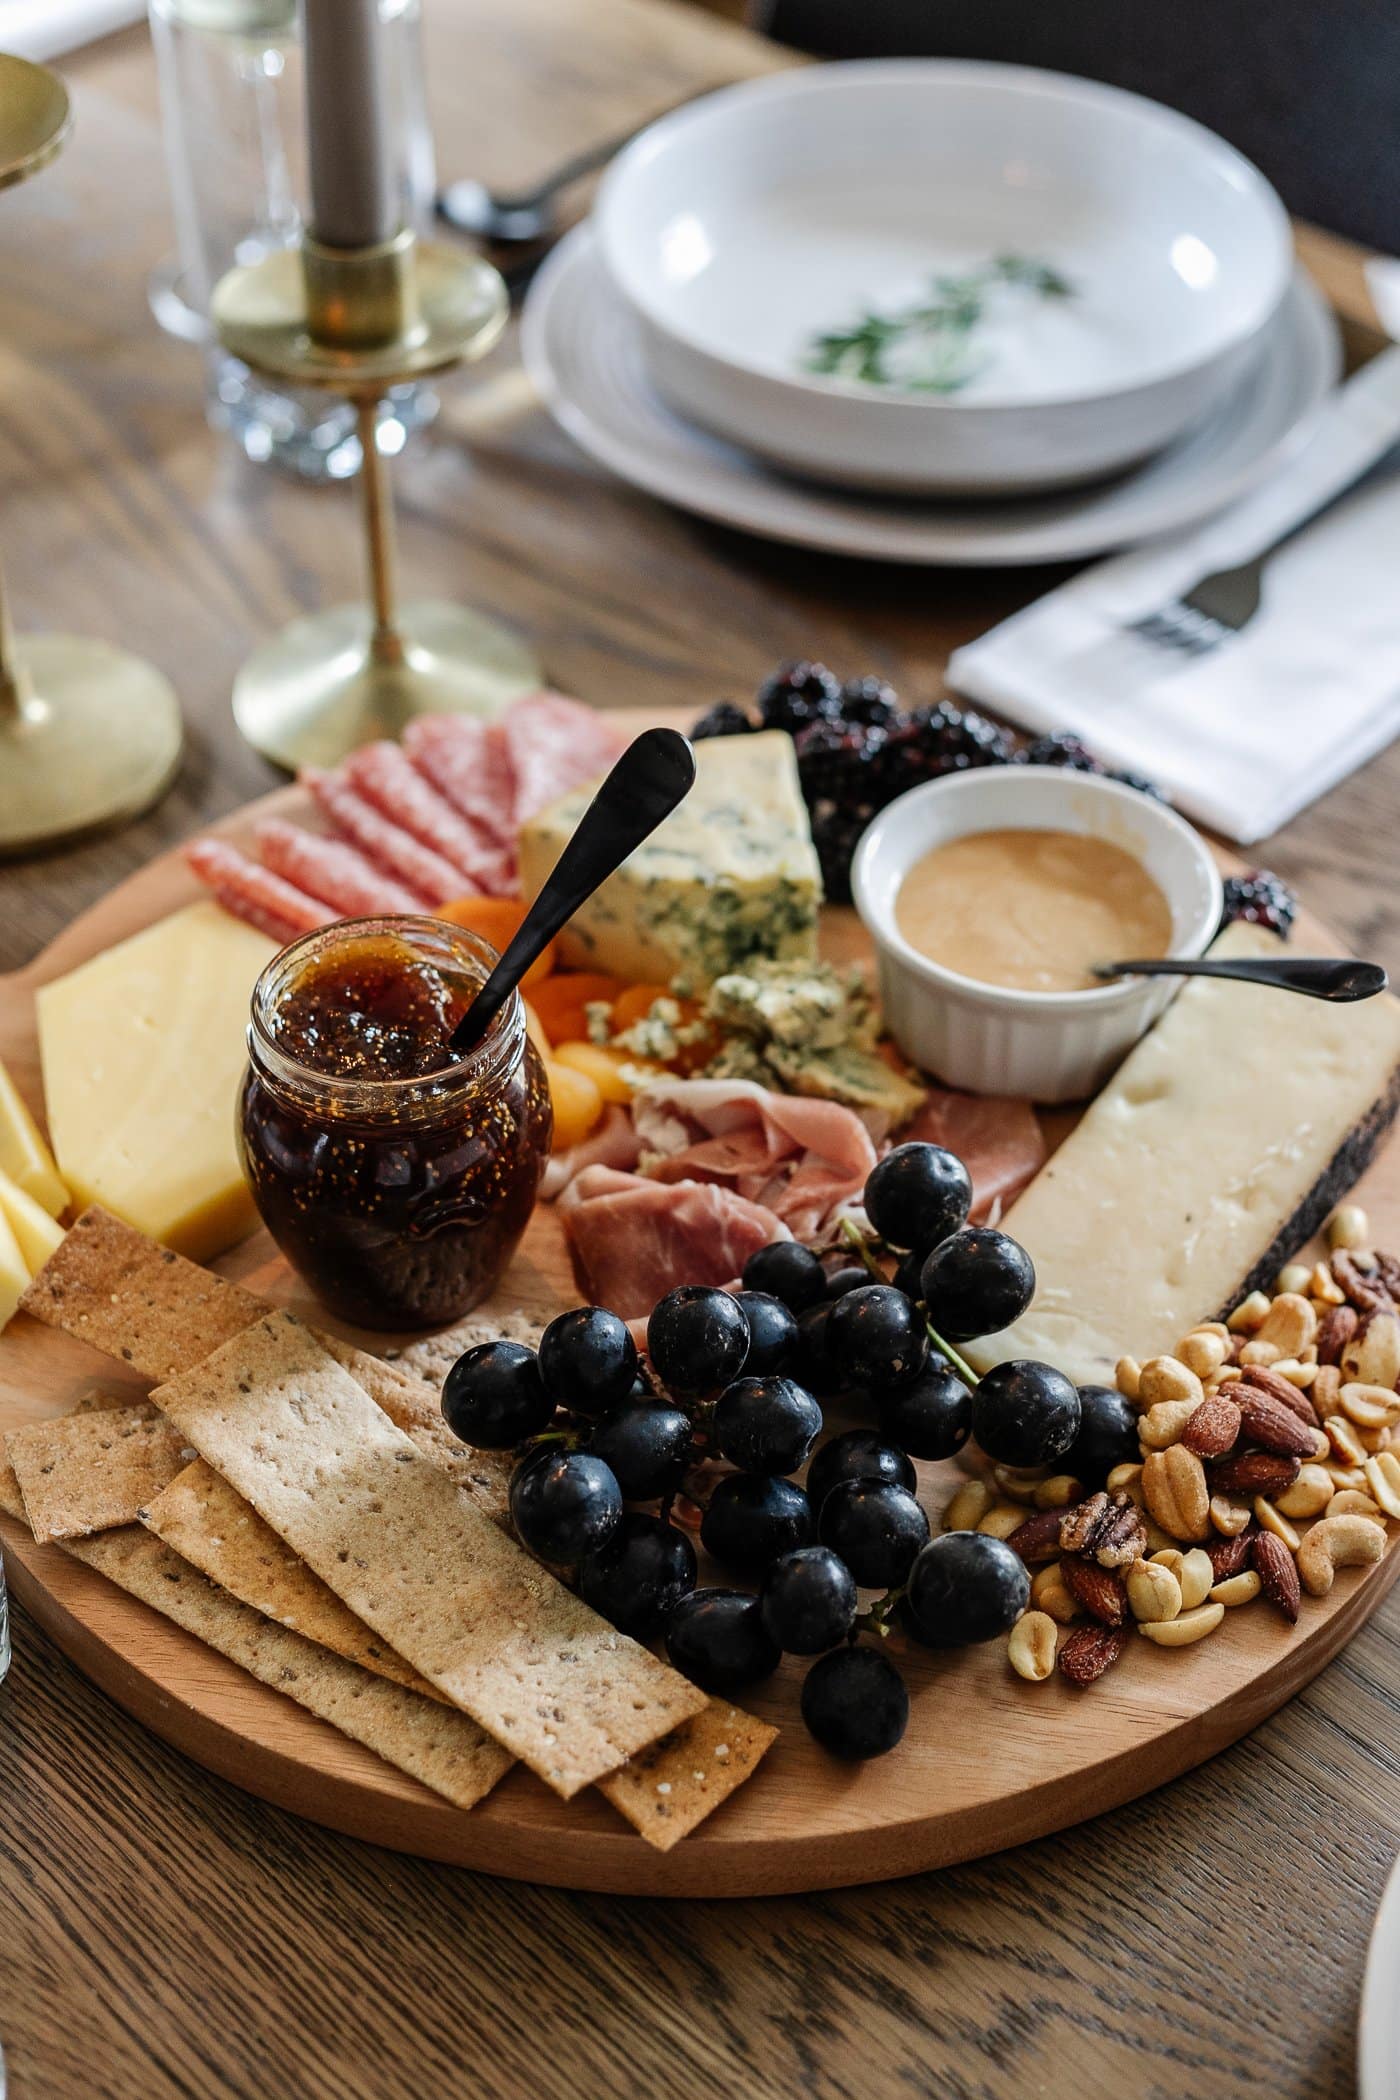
x: 111, y: 1286
x: 433, y: 1357
x: 90, y: 1472
x: 416, y: 1560
x: 11, y: 1500
x: 666, y: 1789
x: 202, y: 1518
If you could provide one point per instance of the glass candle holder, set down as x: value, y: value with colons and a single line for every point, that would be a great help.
x: 232, y: 102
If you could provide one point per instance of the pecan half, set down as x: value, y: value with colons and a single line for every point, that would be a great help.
x: 1254, y: 1473
x: 1120, y: 1537
x: 1101, y: 1591
x: 1038, y: 1538
x: 1090, y: 1650
x: 1362, y: 1291
x: 1277, y: 1572
x: 1214, y: 1428
x: 1334, y: 1330
x: 1266, y: 1380
x: 1267, y: 1422
x: 1077, y: 1524
x: 1388, y: 1269
x: 1229, y: 1556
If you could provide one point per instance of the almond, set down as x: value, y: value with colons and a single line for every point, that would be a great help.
x: 1267, y: 1422
x: 1278, y: 1574
x: 1214, y: 1428
x: 1266, y: 1380
x: 1254, y: 1473
x: 1090, y: 1650
x: 1229, y: 1556
x: 1336, y: 1328
x: 1038, y: 1538
x: 1101, y: 1592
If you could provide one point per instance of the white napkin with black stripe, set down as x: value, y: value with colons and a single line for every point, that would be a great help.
x: 1244, y: 737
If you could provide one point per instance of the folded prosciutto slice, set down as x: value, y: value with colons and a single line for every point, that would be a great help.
x: 633, y: 1238
x: 998, y: 1140
x: 800, y: 1158
x: 612, y: 1144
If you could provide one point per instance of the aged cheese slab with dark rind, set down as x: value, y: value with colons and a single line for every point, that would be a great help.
x: 1220, y: 1143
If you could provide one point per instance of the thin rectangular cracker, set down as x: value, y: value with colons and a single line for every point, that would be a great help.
x: 671, y: 1786
x: 200, y: 1517
x: 416, y: 1559
x: 90, y: 1472
x: 433, y: 1743
x: 133, y: 1299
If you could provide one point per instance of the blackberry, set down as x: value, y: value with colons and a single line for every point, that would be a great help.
x: 938, y: 740
x: 836, y: 833
x: 871, y: 701
x: 797, y: 694
x: 723, y: 719
x: 836, y: 760
x: 1262, y: 898
x: 1141, y: 782
x: 1062, y: 748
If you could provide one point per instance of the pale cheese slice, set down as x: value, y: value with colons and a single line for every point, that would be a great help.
x: 23, y: 1154
x: 33, y: 1228
x: 1215, y: 1151
x: 142, y: 1051
x: 14, y: 1276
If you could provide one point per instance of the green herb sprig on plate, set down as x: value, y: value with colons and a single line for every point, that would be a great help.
x: 932, y: 340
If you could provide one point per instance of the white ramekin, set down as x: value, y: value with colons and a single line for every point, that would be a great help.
x: 1044, y: 1046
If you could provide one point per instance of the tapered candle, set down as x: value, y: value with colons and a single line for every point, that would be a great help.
x: 354, y: 201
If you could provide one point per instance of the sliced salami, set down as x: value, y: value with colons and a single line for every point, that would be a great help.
x: 383, y: 775
x: 467, y: 762
x: 333, y: 871
x: 383, y: 841
x: 555, y: 744
x: 255, y: 894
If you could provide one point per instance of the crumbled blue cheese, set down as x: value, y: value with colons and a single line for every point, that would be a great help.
x: 730, y: 875
x: 807, y: 1029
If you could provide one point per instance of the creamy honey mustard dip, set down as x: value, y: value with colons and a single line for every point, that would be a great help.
x: 1032, y: 910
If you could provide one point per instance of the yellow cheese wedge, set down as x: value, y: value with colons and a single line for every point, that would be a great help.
x: 14, y: 1276
x: 33, y: 1228
x: 23, y: 1154
x: 142, y: 1051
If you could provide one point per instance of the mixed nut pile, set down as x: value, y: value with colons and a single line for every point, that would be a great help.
x: 1270, y: 1459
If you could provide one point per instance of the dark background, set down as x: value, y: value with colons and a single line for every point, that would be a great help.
x: 1309, y: 89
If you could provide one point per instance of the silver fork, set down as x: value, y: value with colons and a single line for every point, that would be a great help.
x: 1224, y: 602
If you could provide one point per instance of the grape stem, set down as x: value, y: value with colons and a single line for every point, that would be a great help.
x: 876, y: 1618
x: 855, y: 1238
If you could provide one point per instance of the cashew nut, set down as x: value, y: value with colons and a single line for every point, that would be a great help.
x: 1337, y: 1542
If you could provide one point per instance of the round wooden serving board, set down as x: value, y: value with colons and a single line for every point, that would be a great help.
x: 987, y: 1761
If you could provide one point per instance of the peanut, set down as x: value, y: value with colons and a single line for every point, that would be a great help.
x: 1126, y: 1480
x: 968, y: 1506
x: 1337, y: 1542
x: 1268, y: 1516
x: 1383, y: 1479
x: 1296, y: 1371
x: 1002, y: 1519
x: 1127, y: 1376
x: 1164, y: 1421
x: 1174, y: 1489
x: 1049, y: 1595
x: 1290, y: 1324
x: 1324, y: 1288
x: 1249, y: 1314
x: 1349, y: 1227
x: 1169, y: 1557
x: 1293, y: 1276
x: 1309, y: 1495
x: 1014, y: 1485
x: 1031, y: 1647
x: 1059, y: 1491
x: 1163, y: 1378
x: 1346, y: 1444
x: 1373, y: 1354
x: 1237, y: 1589
x: 1344, y: 1476
x: 1370, y: 1406
x: 1197, y: 1578
x: 1153, y: 1591
x: 1202, y: 1352
x: 1230, y: 1517
x: 1156, y: 1537
x: 1325, y: 1388
x: 1189, y: 1626
x: 1350, y: 1502
x: 1258, y: 1351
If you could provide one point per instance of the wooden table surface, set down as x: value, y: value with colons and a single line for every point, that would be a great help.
x: 162, y: 1934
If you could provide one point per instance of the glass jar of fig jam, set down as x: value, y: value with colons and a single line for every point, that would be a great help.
x: 396, y: 1179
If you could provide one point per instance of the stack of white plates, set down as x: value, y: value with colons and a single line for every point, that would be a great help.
x: 1120, y: 343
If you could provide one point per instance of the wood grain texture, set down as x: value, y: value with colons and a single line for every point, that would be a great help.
x: 162, y: 1934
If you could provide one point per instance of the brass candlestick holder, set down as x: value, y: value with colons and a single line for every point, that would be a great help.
x: 88, y: 734
x: 360, y: 321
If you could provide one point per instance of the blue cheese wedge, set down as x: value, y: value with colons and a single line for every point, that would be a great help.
x: 1216, y: 1150
x: 731, y: 875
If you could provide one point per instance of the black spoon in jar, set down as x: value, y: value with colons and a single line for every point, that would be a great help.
x: 1315, y: 976
x: 652, y: 777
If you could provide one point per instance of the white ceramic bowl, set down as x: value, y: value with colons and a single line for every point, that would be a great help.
x: 1043, y: 1046
x: 742, y: 226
